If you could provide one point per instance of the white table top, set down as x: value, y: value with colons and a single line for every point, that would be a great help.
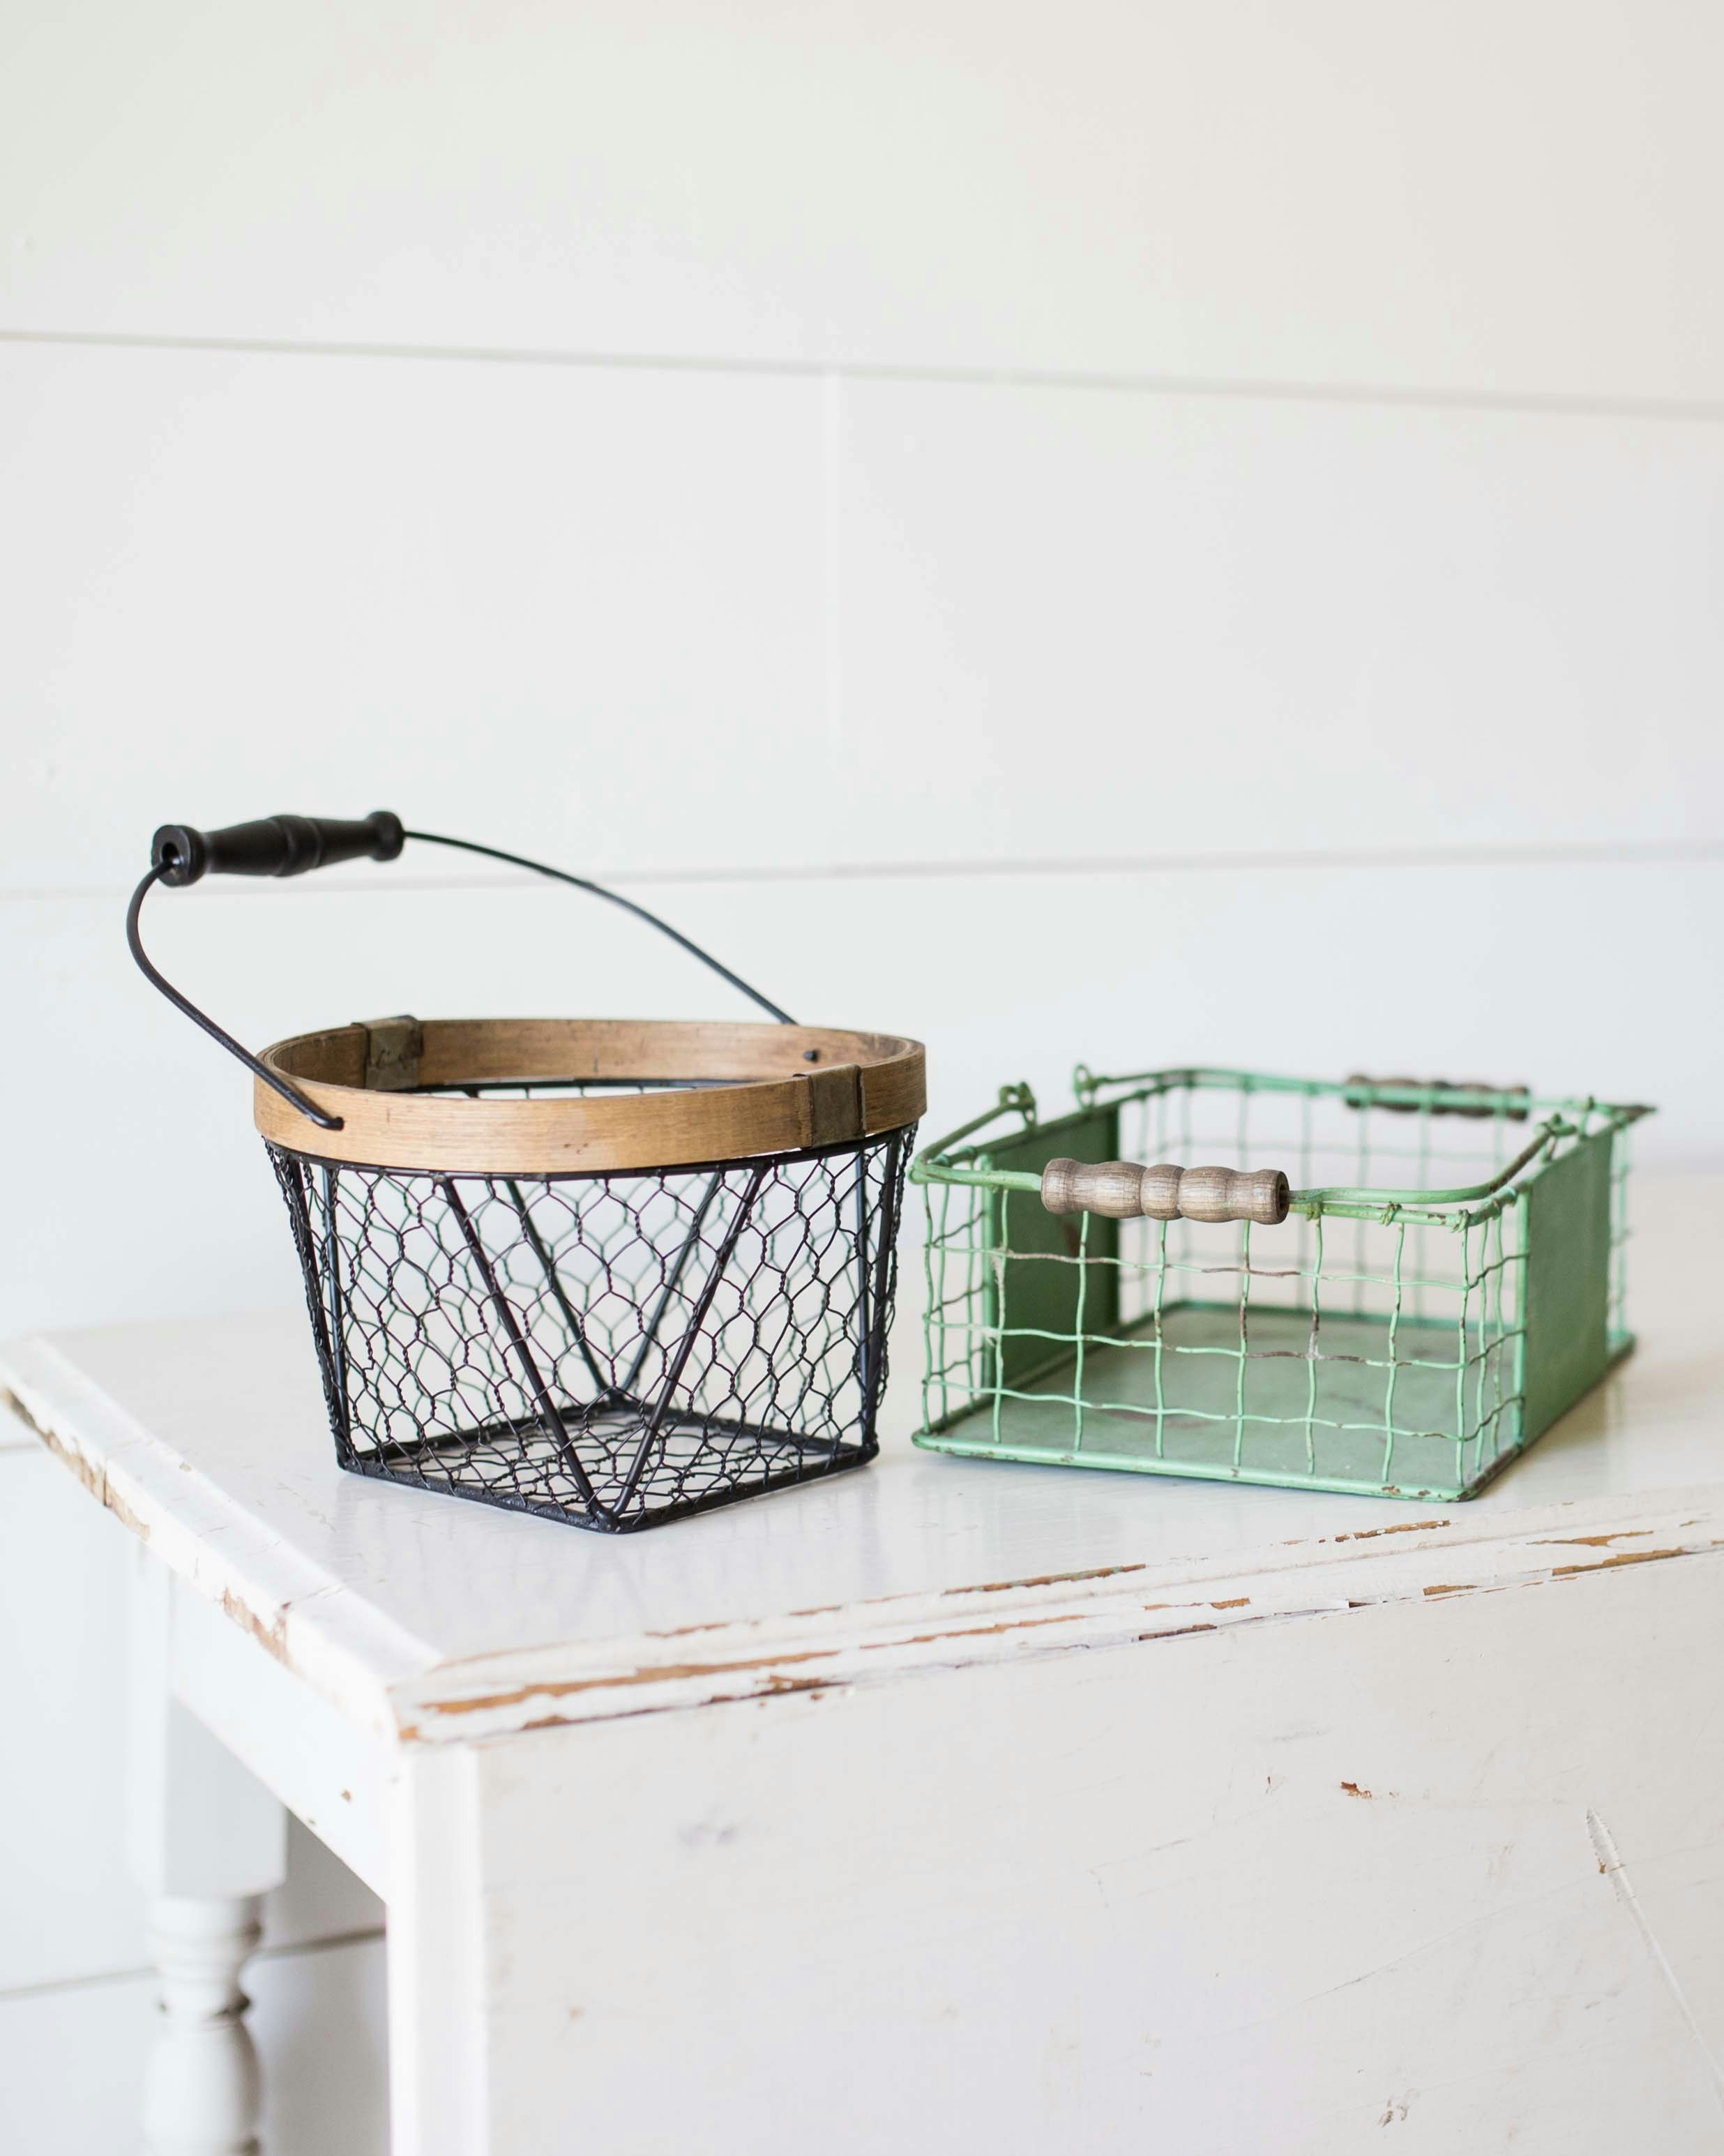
x: 210, y: 1437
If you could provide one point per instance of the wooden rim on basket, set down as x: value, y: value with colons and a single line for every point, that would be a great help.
x: 740, y: 1090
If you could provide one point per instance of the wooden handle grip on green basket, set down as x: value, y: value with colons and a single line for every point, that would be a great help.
x: 1124, y: 1190
x: 1478, y: 1100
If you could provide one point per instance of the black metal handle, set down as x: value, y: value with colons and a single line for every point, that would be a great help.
x: 290, y: 845
x: 274, y: 846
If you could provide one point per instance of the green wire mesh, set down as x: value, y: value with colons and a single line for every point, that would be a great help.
x: 1396, y: 1340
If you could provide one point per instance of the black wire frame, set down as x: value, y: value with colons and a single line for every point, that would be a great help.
x: 544, y: 1302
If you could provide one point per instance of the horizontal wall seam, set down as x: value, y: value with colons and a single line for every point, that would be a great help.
x: 1704, y: 853
x: 291, y: 1951
x: 1407, y: 396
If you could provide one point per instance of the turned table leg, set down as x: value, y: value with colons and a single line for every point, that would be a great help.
x: 204, y: 2091
x: 207, y: 1841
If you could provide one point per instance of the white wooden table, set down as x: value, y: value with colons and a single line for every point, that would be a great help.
x: 953, y: 1806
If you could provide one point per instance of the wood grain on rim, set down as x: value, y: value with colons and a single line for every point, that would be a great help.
x: 741, y: 1090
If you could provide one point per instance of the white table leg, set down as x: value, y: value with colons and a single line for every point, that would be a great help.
x: 207, y: 1841
x: 204, y: 2092
x: 440, y: 2092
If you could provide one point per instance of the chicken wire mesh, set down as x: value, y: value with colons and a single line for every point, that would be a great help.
x: 1404, y: 1339
x: 615, y: 1350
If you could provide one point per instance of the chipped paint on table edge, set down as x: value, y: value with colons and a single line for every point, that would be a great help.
x: 383, y: 1677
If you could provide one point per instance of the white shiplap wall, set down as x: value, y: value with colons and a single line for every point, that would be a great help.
x: 1124, y: 531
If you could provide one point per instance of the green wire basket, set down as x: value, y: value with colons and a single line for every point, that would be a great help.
x: 1406, y: 1341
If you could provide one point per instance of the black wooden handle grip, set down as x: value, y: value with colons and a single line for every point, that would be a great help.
x: 274, y: 846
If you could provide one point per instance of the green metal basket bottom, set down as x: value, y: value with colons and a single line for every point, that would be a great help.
x: 1297, y: 1421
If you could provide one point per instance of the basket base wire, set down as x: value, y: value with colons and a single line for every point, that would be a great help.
x: 612, y: 1351
x: 446, y: 1464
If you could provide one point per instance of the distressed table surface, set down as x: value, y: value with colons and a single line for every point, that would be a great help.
x: 1363, y: 1815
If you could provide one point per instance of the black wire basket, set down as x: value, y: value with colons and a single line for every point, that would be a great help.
x: 610, y: 1272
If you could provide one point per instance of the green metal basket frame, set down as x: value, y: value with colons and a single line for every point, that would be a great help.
x: 1074, y: 1341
